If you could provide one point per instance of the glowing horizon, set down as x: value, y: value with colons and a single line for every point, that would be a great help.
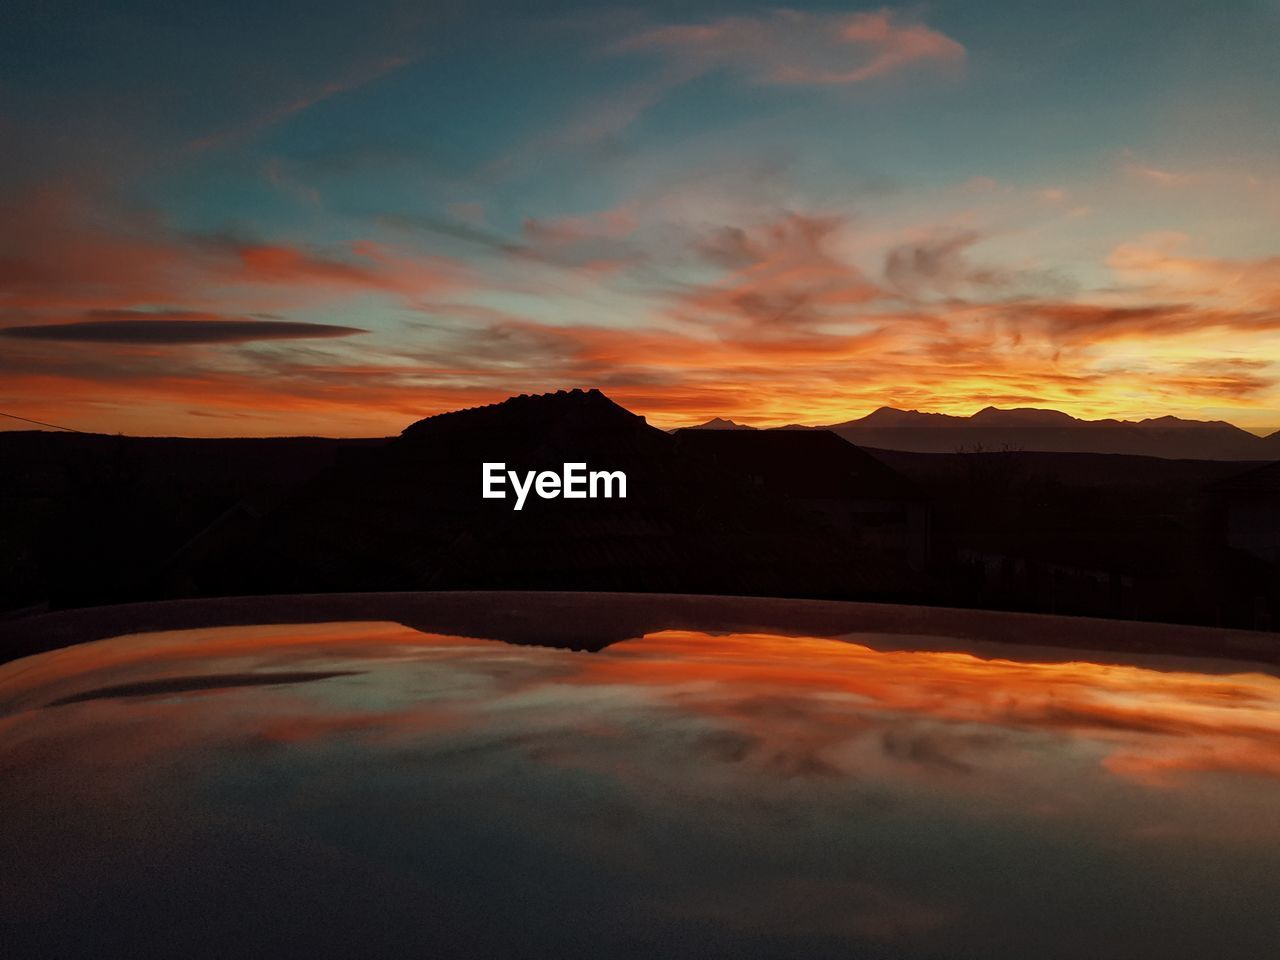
x: 342, y: 225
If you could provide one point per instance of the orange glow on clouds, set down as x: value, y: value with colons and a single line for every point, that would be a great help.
x: 681, y: 306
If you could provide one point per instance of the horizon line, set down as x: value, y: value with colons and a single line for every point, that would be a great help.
x: 1262, y: 432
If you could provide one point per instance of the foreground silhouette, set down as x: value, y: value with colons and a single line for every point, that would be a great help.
x: 92, y: 520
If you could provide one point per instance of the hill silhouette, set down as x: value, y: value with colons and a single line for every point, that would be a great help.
x: 409, y: 515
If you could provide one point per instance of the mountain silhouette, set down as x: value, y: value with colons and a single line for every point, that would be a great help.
x: 892, y: 417
x: 409, y: 515
x: 719, y: 423
x: 1050, y: 431
x: 1021, y: 417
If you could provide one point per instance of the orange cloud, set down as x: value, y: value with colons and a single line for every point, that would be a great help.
x: 63, y: 249
x: 1158, y: 264
x: 783, y: 278
x: 73, y: 254
x: 768, y: 319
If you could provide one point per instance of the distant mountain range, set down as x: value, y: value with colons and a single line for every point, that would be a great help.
x: 1031, y: 429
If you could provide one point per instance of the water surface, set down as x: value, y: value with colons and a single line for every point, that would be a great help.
x: 368, y: 789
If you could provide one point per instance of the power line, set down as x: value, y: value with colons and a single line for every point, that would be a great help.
x: 39, y: 423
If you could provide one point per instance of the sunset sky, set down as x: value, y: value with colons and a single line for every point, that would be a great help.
x: 336, y: 218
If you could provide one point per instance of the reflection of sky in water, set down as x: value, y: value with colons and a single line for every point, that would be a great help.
x: 679, y: 794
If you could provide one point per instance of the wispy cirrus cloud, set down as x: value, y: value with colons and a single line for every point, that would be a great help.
x: 781, y: 48
x: 71, y: 249
x: 802, y: 48
x: 1233, y: 377
x: 1160, y: 263
x: 359, y: 76
x: 1159, y: 176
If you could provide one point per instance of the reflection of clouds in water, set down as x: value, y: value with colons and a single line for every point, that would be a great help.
x: 789, y: 705
x: 777, y: 793
x: 792, y: 705
x: 1130, y: 711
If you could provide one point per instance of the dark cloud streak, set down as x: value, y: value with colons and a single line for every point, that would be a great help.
x: 170, y: 331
